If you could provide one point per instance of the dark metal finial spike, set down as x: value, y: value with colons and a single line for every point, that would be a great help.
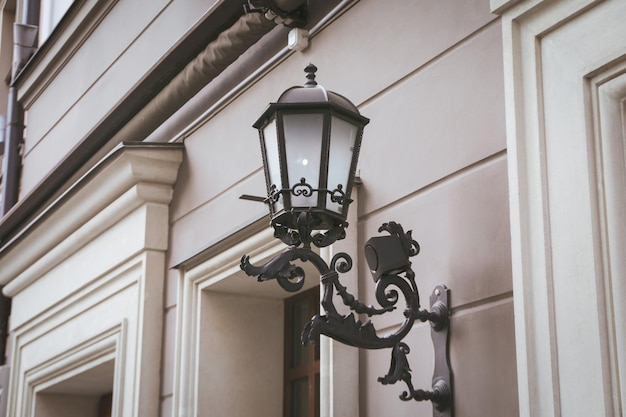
x: 310, y: 75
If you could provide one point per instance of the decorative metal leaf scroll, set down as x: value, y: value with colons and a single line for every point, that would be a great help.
x: 397, y: 279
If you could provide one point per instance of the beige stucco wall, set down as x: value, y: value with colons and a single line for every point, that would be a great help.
x: 432, y: 77
x: 428, y: 74
x: 77, y: 84
x: 433, y: 158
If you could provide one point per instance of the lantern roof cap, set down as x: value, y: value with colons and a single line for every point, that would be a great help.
x: 312, y: 92
x: 311, y: 96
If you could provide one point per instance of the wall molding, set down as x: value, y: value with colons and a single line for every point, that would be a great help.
x: 129, y: 176
x: 109, y: 345
x: 550, y: 54
x: 607, y: 111
x: 223, y: 265
x: 217, y: 270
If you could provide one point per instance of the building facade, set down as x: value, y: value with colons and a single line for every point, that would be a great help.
x: 496, y: 135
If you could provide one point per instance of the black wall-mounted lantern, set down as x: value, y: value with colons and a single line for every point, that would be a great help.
x: 310, y: 140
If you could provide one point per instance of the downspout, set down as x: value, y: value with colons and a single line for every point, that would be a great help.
x: 11, y: 162
x: 24, y: 44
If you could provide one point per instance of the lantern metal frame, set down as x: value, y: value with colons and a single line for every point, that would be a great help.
x: 309, y: 100
x: 387, y: 256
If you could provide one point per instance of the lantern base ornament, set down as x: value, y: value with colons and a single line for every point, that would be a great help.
x: 388, y: 259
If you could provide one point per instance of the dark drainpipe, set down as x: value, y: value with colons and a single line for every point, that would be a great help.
x: 11, y: 162
x: 23, y: 48
x: 13, y: 136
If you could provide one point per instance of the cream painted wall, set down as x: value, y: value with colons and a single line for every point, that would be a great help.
x: 341, y: 51
x: 88, y: 277
x: 77, y: 84
x: 6, y: 51
x: 241, y: 370
x: 433, y: 157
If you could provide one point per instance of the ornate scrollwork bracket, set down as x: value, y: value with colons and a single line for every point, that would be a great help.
x: 388, y: 258
x: 441, y: 394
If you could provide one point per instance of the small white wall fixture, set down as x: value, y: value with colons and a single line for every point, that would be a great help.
x: 86, y: 278
x: 565, y: 89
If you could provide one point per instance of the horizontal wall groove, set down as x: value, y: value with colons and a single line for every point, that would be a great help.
x: 466, y: 170
x: 481, y: 304
x: 430, y: 62
x: 219, y: 195
x: 460, y: 310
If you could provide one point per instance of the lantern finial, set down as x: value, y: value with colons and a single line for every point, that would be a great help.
x: 310, y: 75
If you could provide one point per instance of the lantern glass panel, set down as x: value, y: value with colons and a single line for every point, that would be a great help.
x: 272, y: 160
x: 303, y: 151
x: 342, y: 139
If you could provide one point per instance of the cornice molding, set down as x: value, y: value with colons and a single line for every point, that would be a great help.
x: 130, y: 176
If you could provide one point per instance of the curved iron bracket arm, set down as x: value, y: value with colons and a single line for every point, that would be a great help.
x: 388, y: 257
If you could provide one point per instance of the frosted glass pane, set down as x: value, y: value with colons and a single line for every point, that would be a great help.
x: 303, y: 148
x: 342, y: 139
x: 272, y: 159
